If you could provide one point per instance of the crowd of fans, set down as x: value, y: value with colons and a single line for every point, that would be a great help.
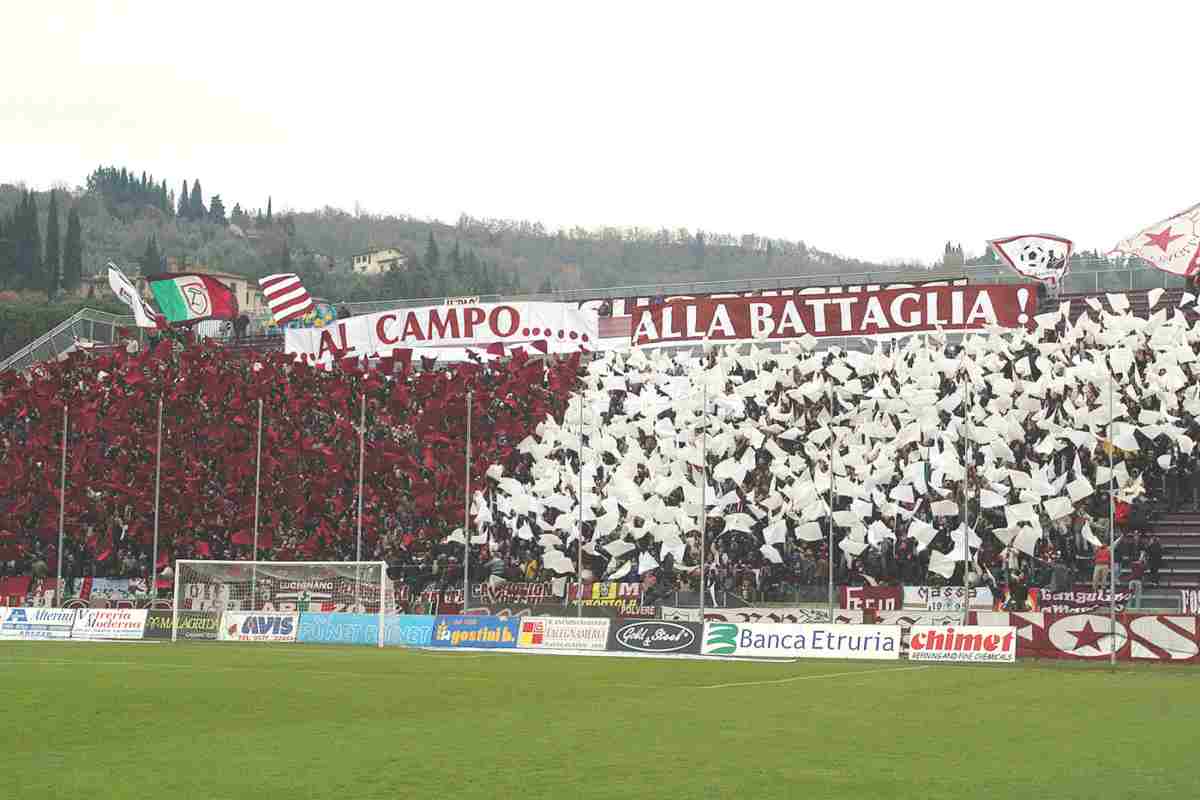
x: 903, y: 429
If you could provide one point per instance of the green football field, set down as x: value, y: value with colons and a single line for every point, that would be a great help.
x: 218, y: 721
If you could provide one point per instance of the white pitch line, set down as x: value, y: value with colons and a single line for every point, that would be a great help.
x: 809, y: 677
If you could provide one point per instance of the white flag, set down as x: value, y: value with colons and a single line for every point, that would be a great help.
x: 1040, y: 256
x: 1172, y: 245
x: 122, y: 288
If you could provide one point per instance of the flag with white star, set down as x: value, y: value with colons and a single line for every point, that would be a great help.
x: 1172, y: 245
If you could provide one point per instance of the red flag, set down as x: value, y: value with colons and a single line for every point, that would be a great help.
x: 286, y: 296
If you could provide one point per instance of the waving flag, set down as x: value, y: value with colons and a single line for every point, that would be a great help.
x: 190, y: 297
x: 1172, y: 245
x: 286, y: 296
x: 122, y: 288
x: 1039, y: 256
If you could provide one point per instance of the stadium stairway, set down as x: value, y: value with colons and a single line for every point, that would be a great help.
x: 1180, y: 535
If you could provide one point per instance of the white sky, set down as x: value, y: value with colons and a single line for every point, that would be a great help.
x: 876, y: 130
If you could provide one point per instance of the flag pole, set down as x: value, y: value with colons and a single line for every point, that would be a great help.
x: 362, y: 449
x: 157, y: 483
x: 62, y: 512
x: 1112, y: 530
x: 257, y: 487
x: 965, y: 489
x: 829, y: 546
x: 579, y: 544
x: 703, y: 487
x: 467, y: 513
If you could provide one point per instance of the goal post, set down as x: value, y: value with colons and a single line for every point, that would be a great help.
x: 361, y: 587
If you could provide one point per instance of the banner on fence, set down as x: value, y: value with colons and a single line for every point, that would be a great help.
x: 624, y: 308
x: 559, y: 633
x: 945, y: 598
x: 880, y: 313
x: 646, y: 636
x: 193, y: 625
x: 872, y: 598
x: 109, y: 623
x: 475, y: 631
x: 261, y: 626
x: 1138, y: 637
x: 907, y: 619
x: 1189, y: 601
x: 966, y: 643
x: 1073, y: 602
x: 787, y: 615
x: 562, y: 326
x: 37, y: 623
x: 875, y: 642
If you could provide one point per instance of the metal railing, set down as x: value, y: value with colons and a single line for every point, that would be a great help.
x: 1087, y: 276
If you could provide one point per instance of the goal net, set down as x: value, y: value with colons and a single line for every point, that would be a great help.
x: 361, y: 587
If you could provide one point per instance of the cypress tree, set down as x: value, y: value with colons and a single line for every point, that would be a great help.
x: 268, y: 209
x: 184, y: 199
x: 72, y: 269
x: 196, y: 204
x: 29, y: 247
x: 6, y: 260
x: 53, y: 262
x: 433, y: 259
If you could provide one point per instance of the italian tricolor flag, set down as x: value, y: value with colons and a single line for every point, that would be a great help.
x: 191, y: 297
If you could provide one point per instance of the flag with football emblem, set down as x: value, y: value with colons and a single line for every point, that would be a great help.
x: 188, y: 298
x: 1172, y: 245
x: 1039, y: 256
x: 286, y: 296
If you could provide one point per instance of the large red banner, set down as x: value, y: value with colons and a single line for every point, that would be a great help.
x: 1135, y: 637
x: 878, y: 313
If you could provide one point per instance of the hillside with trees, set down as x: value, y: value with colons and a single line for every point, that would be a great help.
x: 51, y: 242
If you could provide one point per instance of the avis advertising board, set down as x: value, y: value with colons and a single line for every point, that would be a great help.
x: 109, y: 623
x: 261, y: 626
x: 767, y: 640
x: 886, y: 312
x: 965, y: 643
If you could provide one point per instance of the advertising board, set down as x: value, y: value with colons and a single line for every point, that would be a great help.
x: 647, y: 636
x: 560, y: 633
x: 475, y: 631
x: 109, y: 623
x: 966, y: 643
x: 193, y: 625
x: 874, y: 642
x: 37, y: 623
x: 260, y: 626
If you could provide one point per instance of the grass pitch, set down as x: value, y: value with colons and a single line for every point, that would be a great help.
x: 218, y: 721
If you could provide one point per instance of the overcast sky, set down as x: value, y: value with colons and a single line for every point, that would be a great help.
x: 876, y: 130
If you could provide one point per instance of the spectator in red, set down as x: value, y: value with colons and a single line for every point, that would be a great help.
x: 1100, y: 571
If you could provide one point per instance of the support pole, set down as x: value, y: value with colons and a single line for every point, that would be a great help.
x: 579, y: 544
x: 62, y: 513
x: 703, y: 490
x: 257, y: 488
x: 362, y: 449
x: 157, y: 483
x: 1112, y: 532
x: 832, y: 489
x: 467, y: 513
